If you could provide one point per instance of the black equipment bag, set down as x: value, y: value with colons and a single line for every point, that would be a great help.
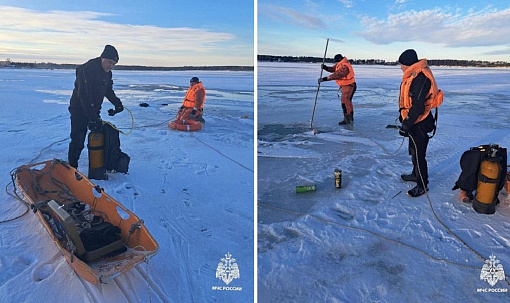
x: 115, y: 159
x: 470, y: 164
x: 99, y: 236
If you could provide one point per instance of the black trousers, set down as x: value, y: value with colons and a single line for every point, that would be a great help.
x: 418, y: 151
x: 79, y: 128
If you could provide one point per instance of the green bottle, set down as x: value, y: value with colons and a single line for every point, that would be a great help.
x: 305, y: 188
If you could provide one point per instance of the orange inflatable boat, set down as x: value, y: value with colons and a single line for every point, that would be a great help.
x: 185, y: 125
x: 78, y: 215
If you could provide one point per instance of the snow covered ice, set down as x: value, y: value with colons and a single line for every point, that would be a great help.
x: 365, y: 242
x: 194, y: 191
x: 369, y: 241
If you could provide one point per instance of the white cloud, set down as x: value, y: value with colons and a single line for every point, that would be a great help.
x: 505, y: 51
x: 347, y: 3
x: 484, y: 28
x: 73, y: 37
x: 291, y: 16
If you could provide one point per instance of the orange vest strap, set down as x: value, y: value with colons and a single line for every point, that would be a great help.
x: 434, y: 96
x: 191, y: 96
x: 347, y: 79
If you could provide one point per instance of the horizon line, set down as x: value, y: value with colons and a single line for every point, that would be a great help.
x: 315, y: 57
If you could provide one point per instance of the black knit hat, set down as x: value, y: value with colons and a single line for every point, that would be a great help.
x: 110, y: 52
x: 338, y: 57
x: 194, y: 79
x: 408, y: 57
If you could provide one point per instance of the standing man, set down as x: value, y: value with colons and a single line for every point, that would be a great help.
x: 193, y: 102
x: 93, y: 83
x: 418, y: 92
x: 343, y: 74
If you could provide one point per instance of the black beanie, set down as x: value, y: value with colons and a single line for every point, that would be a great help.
x: 194, y: 79
x: 408, y: 57
x: 338, y: 57
x: 110, y: 53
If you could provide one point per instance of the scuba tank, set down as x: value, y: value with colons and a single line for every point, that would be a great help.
x: 105, y: 154
x: 483, y: 170
x: 507, y: 183
x: 96, y: 156
x: 486, y: 190
x: 489, y: 179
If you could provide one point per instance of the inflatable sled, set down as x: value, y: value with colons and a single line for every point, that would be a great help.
x: 99, y: 237
x: 185, y: 125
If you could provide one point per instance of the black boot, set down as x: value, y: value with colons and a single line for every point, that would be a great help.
x: 347, y: 120
x: 199, y: 118
x: 417, y: 191
x: 409, y: 178
x: 344, y: 121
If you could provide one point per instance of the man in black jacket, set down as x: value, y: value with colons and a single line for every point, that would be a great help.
x: 418, y: 85
x: 93, y: 83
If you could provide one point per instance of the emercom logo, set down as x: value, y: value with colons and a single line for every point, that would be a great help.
x: 227, y: 271
x: 492, y: 272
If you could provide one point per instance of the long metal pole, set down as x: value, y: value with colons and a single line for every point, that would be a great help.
x: 319, y: 84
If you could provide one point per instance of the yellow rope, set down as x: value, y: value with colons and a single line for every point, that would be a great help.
x: 132, y: 123
x: 426, y: 192
x: 451, y: 232
x: 436, y: 216
x: 351, y: 127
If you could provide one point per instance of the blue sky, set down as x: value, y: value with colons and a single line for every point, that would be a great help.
x: 148, y: 32
x: 379, y: 29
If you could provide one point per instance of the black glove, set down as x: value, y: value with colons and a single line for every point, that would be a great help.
x: 95, y: 125
x: 403, y: 131
x: 323, y: 66
x: 322, y: 79
x: 194, y: 111
x: 118, y: 109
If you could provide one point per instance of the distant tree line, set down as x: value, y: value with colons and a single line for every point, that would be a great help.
x: 45, y: 65
x: 442, y: 62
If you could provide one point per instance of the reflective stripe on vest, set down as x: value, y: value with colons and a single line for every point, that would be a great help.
x: 191, y: 96
x: 405, y: 101
x: 349, y: 78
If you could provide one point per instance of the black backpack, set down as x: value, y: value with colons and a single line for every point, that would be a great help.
x: 470, y: 164
x: 114, y: 159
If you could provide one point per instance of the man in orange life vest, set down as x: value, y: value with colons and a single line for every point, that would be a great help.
x: 193, y: 102
x: 418, y: 85
x: 343, y: 74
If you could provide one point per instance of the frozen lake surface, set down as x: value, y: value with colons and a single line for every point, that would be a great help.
x: 369, y: 241
x: 194, y: 191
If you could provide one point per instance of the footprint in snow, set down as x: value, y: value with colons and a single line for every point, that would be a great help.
x: 127, y: 188
x: 205, y: 169
x: 206, y: 232
x: 164, y: 165
x: 343, y: 214
x: 186, y: 199
x: 42, y: 272
x: 12, y: 267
